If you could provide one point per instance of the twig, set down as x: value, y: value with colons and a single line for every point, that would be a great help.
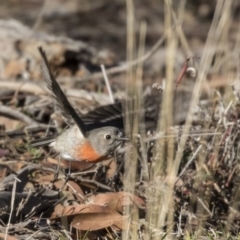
x: 161, y: 135
x: 83, y: 173
x: 17, y: 115
x: 125, y: 66
x: 75, y: 192
x: 27, y: 86
x: 12, y: 207
x: 31, y: 236
x: 107, y: 83
x: 39, y: 18
x: 39, y: 89
x: 28, y: 129
x: 98, y: 184
x: 203, y: 205
x: 188, y: 163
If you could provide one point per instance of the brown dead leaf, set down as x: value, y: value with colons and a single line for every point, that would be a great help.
x: 116, y: 201
x: 46, y: 179
x: 75, y: 189
x: 29, y: 186
x: 59, y: 184
x: 10, y: 124
x: 75, y: 165
x: 58, y: 209
x: 112, y: 167
x: 71, y: 187
x: 78, y: 209
x: 3, y: 173
x: 13, y: 165
x: 14, y: 68
x: 96, y: 221
x: 91, y: 217
x: 2, y: 236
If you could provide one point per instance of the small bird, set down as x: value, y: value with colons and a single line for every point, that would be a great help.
x: 79, y: 142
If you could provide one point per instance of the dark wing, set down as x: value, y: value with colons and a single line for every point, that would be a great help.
x: 153, y: 105
x: 42, y: 142
x: 108, y: 115
x: 114, y: 114
x: 59, y: 97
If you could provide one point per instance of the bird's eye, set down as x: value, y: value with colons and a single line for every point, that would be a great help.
x: 107, y: 136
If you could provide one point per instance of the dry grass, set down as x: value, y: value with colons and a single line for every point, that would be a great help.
x: 166, y: 217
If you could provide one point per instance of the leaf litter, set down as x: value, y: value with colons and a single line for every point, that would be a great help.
x: 93, y: 199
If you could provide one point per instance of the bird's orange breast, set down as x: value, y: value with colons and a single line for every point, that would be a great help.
x: 87, y: 153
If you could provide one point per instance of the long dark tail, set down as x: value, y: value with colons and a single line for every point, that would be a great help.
x: 61, y: 101
x: 42, y: 142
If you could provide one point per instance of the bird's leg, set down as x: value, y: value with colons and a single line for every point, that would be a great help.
x: 67, y: 175
x: 57, y: 171
x: 98, y: 166
x: 69, y: 170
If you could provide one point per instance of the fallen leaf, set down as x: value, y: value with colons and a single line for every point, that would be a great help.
x: 14, y: 68
x: 116, y: 201
x: 78, y: 209
x: 75, y: 189
x: 15, y: 165
x: 3, y: 173
x: 2, y: 236
x: 59, y: 184
x: 10, y: 124
x: 112, y: 167
x: 96, y: 221
x: 75, y: 165
x: 46, y: 179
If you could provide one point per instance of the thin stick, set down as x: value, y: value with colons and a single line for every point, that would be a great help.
x: 163, y: 135
x: 98, y: 184
x: 12, y: 206
x: 39, y: 18
x: 17, y: 115
x: 126, y: 66
x: 188, y: 163
x: 28, y: 86
x: 31, y: 236
x: 107, y: 83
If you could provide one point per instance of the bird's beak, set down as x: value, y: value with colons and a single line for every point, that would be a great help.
x: 123, y: 139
